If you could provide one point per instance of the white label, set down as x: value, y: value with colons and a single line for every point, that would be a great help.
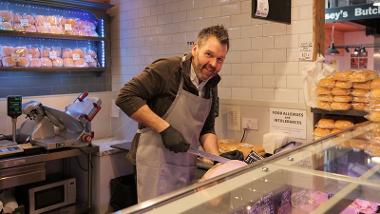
x: 24, y: 22
x: 262, y: 8
x: 76, y: 57
x: 306, y: 51
x: 53, y: 54
x: 290, y: 121
x: 68, y: 27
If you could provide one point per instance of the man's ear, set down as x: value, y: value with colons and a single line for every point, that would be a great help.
x: 194, y: 49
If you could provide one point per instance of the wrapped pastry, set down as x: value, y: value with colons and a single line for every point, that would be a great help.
x: 344, y: 85
x: 324, y: 105
x: 34, y: 52
x: 43, y: 29
x: 23, y: 62
x: 363, y: 76
x: 343, y: 124
x: 31, y: 29
x: 46, y: 62
x: 340, y: 106
x: 35, y: 63
x: 342, y: 99
x: 326, y: 123
x: 79, y: 52
x: 8, y: 62
x: 334, y: 131
x: 80, y: 63
x: 6, y: 51
x: 67, y: 53
x: 357, y: 144
x: 343, y: 75
x: 40, y: 20
x: 322, y: 90
x: 57, y: 62
x: 325, y: 98
x: 362, y: 85
x: 340, y: 91
x: 68, y: 62
x: 360, y: 92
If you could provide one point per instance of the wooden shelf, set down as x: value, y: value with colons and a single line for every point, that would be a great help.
x: 347, y: 112
x: 49, y: 36
x: 47, y: 70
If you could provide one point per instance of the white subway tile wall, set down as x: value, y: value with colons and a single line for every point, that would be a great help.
x: 262, y: 64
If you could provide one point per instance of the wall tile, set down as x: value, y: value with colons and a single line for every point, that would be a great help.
x: 230, y: 9
x: 251, y: 56
x: 274, y: 55
x: 294, y: 82
x: 251, y: 81
x: 286, y: 95
x: 286, y: 41
x: 274, y: 81
x: 240, y: 44
x: 224, y: 93
x: 241, y: 19
x: 252, y: 31
x: 289, y: 68
x: 262, y: 42
x: 241, y: 69
x: 274, y: 29
x: 241, y: 93
x: 263, y: 68
x: 262, y: 94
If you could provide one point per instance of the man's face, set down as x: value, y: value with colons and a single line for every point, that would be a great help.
x: 208, y: 58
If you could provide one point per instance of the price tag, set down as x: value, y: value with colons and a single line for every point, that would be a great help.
x: 68, y: 27
x: 76, y: 57
x: 262, y: 8
x: 24, y: 22
x: 53, y: 54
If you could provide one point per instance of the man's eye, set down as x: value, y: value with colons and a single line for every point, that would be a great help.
x: 220, y: 60
x: 208, y: 54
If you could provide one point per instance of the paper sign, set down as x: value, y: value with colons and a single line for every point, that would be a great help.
x: 289, y: 121
x: 76, y: 57
x: 68, y: 27
x: 262, y: 8
x: 306, y: 51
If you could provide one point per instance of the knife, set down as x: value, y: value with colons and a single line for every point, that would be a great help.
x: 193, y: 150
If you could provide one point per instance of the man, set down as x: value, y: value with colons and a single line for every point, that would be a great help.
x: 175, y: 100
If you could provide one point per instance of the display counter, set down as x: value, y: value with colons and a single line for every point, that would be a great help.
x: 339, y: 173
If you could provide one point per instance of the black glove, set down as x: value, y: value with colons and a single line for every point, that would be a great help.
x: 173, y: 140
x: 233, y: 155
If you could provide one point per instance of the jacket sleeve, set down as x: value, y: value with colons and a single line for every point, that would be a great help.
x: 141, y: 88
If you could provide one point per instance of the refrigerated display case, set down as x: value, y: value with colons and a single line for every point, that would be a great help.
x: 339, y: 173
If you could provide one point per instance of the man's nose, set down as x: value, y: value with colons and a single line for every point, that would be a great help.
x: 213, y: 62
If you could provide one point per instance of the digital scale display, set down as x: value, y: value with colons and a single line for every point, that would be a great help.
x: 14, y: 106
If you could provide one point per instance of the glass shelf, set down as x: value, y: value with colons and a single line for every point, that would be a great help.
x: 48, y: 35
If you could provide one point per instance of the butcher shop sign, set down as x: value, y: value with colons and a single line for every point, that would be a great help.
x: 357, y: 12
x: 290, y: 121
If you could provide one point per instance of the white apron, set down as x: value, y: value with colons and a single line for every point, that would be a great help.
x: 160, y: 170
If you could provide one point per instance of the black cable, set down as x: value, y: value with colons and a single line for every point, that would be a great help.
x: 242, y: 137
x: 80, y: 166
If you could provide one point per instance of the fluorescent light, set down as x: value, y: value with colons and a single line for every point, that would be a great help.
x: 376, y: 3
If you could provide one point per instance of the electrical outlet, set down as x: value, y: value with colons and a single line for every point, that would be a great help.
x: 250, y: 123
x: 233, y: 119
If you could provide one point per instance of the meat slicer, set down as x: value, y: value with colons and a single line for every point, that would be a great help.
x: 52, y: 128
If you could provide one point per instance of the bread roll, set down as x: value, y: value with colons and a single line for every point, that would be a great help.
x: 68, y: 62
x: 374, y: 116
x: 375, y: 83
x: 360, y: 99
x: 363, y: 76
x: 359, y: 92
x: 8, y: 62
x: 46, y: 62
x: 343, y: 124
x: 327, y: 82
x: 341, y: 84
x: 319, y: 132
x: 375, y: 93
x: 373, y: 149
x: 324, y: 105
x: 57, y: 62
x: 362, y: 85
x: 35, y: 62
x: 326, y: 123
x: 357, y: 143
x: 342, y: 99
x: 340, y: 106
x: 23, y: 62
x: 325, y: 98
x: 333, y: 131
x: 359, y: 106
x: 340, y: 91
x: 343, y: 75
x: 322, y: 90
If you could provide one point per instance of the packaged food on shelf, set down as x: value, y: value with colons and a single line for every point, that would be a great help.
x: 57, y: 62
x: 375, y: 83
x: 67, y: 53
x: 324, y: 105
x: 34, y: 52
x: 24, y: 22
x: 35, y: 63
x: 6, y: 51
x: 46, y: 62
x: 8, y: 61
x: 23, y: 62
x: 360, y: 99
x: 326, y: 123
x: 80, y: 63
x: 6, y: 17
x: 323, y: 90
x: 343, y: 124
x: 68, y: 62
x: 321, y: 132
x: 342, y: 98
x: 359, y: 106
x: 325, y: 98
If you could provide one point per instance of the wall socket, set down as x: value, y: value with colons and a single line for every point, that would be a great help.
x: 233, y: 119
x: 250, y: 123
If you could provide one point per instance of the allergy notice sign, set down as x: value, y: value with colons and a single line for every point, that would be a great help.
x: 290, y: 121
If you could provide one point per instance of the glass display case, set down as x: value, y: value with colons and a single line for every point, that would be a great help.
x: 336, y: 174
x: 56, y: 37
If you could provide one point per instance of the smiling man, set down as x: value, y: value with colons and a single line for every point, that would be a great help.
x: 174, y: 100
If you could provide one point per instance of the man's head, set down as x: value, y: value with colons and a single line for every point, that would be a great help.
x: 209, y: 51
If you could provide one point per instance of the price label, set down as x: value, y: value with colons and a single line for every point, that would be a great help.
x: 24, y: 22
x: 76, y: 57
x: 53, y: 54
x: 68, y: 27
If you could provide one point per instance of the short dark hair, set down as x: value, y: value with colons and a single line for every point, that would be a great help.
x: 218, y: 31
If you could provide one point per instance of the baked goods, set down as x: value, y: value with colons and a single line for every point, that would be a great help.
x: 362, y: 85
x: 320, y: 132
x: 342, y: 99
x: 322, y: 90
x: 23, y: 62
x: 8, y: 62
x: 359, y: 92
x: 333, y: 131
x: 325, y: 98
x: 326, y: 123
x: 363, y: 76
x: 324, y: 105
x: 374, y: 116
x: 360, y: 99
x: 340, y: 91
x: 35, y: 62
x: 375, y: 93
x: 57, y: 62
x: 343, y: 124
x: 46, y: 62
x: 357, y: 143
x: 359, y: 106
x: 68, y: 62
x: 343, y: 75
x: 375, y: 83
x: 327, y: 82
x: 343, y: 84
x: 340, y: 106
x: 227, y: 145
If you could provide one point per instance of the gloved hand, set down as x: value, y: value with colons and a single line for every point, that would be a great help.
x: 173, y: 140
x: 233, y: 155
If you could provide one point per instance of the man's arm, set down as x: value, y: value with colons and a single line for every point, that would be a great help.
x: 150, y: 119
x: 209, y: 143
